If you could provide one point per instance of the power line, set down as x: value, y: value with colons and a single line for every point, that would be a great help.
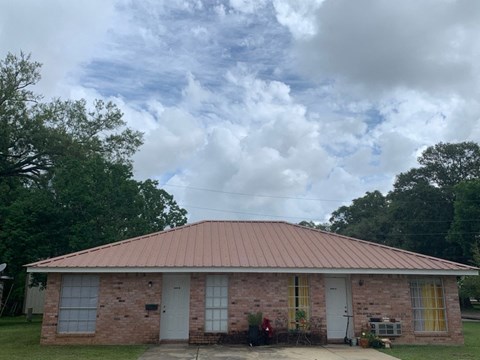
x: 302, y: 218
x: 252, y: 195
x: 296, y: 197
x: 248, y: 213
x: 314, y: 219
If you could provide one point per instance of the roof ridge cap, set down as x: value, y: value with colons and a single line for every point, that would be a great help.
x: 246, y: 221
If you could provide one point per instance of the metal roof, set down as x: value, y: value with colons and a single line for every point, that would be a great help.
x: 248, y: 246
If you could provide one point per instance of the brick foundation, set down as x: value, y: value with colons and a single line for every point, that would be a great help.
x: 122, y: 318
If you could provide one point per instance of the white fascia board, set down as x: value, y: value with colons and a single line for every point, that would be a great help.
x: 250, y: 270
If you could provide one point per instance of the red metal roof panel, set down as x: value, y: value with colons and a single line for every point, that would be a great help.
x: 247, y: 244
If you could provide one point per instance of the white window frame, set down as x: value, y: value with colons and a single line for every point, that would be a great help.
x: 216, y: 304
x: 78, y: 304
x: 421, y: 307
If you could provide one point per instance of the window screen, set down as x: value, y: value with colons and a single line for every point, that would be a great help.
x: 428, y: 303
x: 78, y: 304
x: 216, y: 303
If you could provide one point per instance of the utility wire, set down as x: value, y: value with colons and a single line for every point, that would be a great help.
x: 312, y: 219
x: 292, y: 197
x: 302, y: 218
x: 248, y: 213
x: 252, y: 195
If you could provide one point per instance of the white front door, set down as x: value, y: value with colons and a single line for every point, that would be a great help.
x: 175, y: 307
x: 336, y: 301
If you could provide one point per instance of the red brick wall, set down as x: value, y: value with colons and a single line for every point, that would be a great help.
x: 121, y: 314
x: 50, y: 309
x: 267, y: 293
x: 122, y: 318
x: 197, y: 311
x: 389, y: 295
x: 247, y: 293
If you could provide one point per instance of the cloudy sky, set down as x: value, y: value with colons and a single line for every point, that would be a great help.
x: 257, y: 109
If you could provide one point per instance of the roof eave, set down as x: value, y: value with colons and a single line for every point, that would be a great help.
x: 330, y: 271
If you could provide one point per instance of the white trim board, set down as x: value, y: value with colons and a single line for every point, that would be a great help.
x: 437, y: 272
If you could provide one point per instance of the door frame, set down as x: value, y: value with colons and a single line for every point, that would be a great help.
x: 349, y: 303
x: 187, y: 278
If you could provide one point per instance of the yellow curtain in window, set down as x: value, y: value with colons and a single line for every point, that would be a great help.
x: 439, y: 311
x: 303, y: 295
x: 434, y: 315
x: 428, y: 294
x: 291, y: 302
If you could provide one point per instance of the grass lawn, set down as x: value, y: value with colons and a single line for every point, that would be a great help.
x: 21, y: 340
x: 470, y: 351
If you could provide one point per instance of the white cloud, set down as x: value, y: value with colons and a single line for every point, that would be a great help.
x: 426, y: 45
x: 268, y: 147
x: 298, y: 16
x: 247, y: 6
x: 194, y: 94
x: 59, y: 35
x: 315, y: 99
x: 169, y: 146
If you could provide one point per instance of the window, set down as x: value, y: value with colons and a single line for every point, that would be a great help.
x: 216, y: 303
x: 78, y: 304
x: 298, y: 299
x: 428, y: 303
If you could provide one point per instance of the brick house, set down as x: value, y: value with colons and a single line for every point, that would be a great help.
x: 198, y: 282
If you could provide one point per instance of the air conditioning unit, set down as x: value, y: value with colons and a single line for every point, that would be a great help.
x: 386, y: 328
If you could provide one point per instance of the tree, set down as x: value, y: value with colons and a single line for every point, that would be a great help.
x: 33, y: 135
x: 470, y: 285
x: 417, y: 214
x: 311, y: 224
x: 365, y: 218
x: 446, y: 165
x: 420, y: 217
x: 66, y: 180
x: 422, y: 199
x: 464, y: 232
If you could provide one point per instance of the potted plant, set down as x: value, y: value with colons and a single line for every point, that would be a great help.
x: 254, y: 321
x: 375, y: 342
x: 301, y: 317
x: 364, y: 340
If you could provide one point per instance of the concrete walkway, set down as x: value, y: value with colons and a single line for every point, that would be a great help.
x: 221, y: 352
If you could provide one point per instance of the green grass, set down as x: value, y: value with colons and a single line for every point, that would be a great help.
x: 471, y: 350
x: 21, y: 340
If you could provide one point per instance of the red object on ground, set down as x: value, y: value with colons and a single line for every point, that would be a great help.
x: 267, y: 327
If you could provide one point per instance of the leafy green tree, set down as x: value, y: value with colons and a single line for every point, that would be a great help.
x: 417, y: 214
x: 365, y: 218
x: 311, y: 224
x: 420, y: 217
x: 422, y: 199
x: 66, y: 180
x: 470, y: 285
x: 465, y: 228
x: 101, y: 203
x: 446, y: 165
x: 21, y: 140
x: 33, y: 135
